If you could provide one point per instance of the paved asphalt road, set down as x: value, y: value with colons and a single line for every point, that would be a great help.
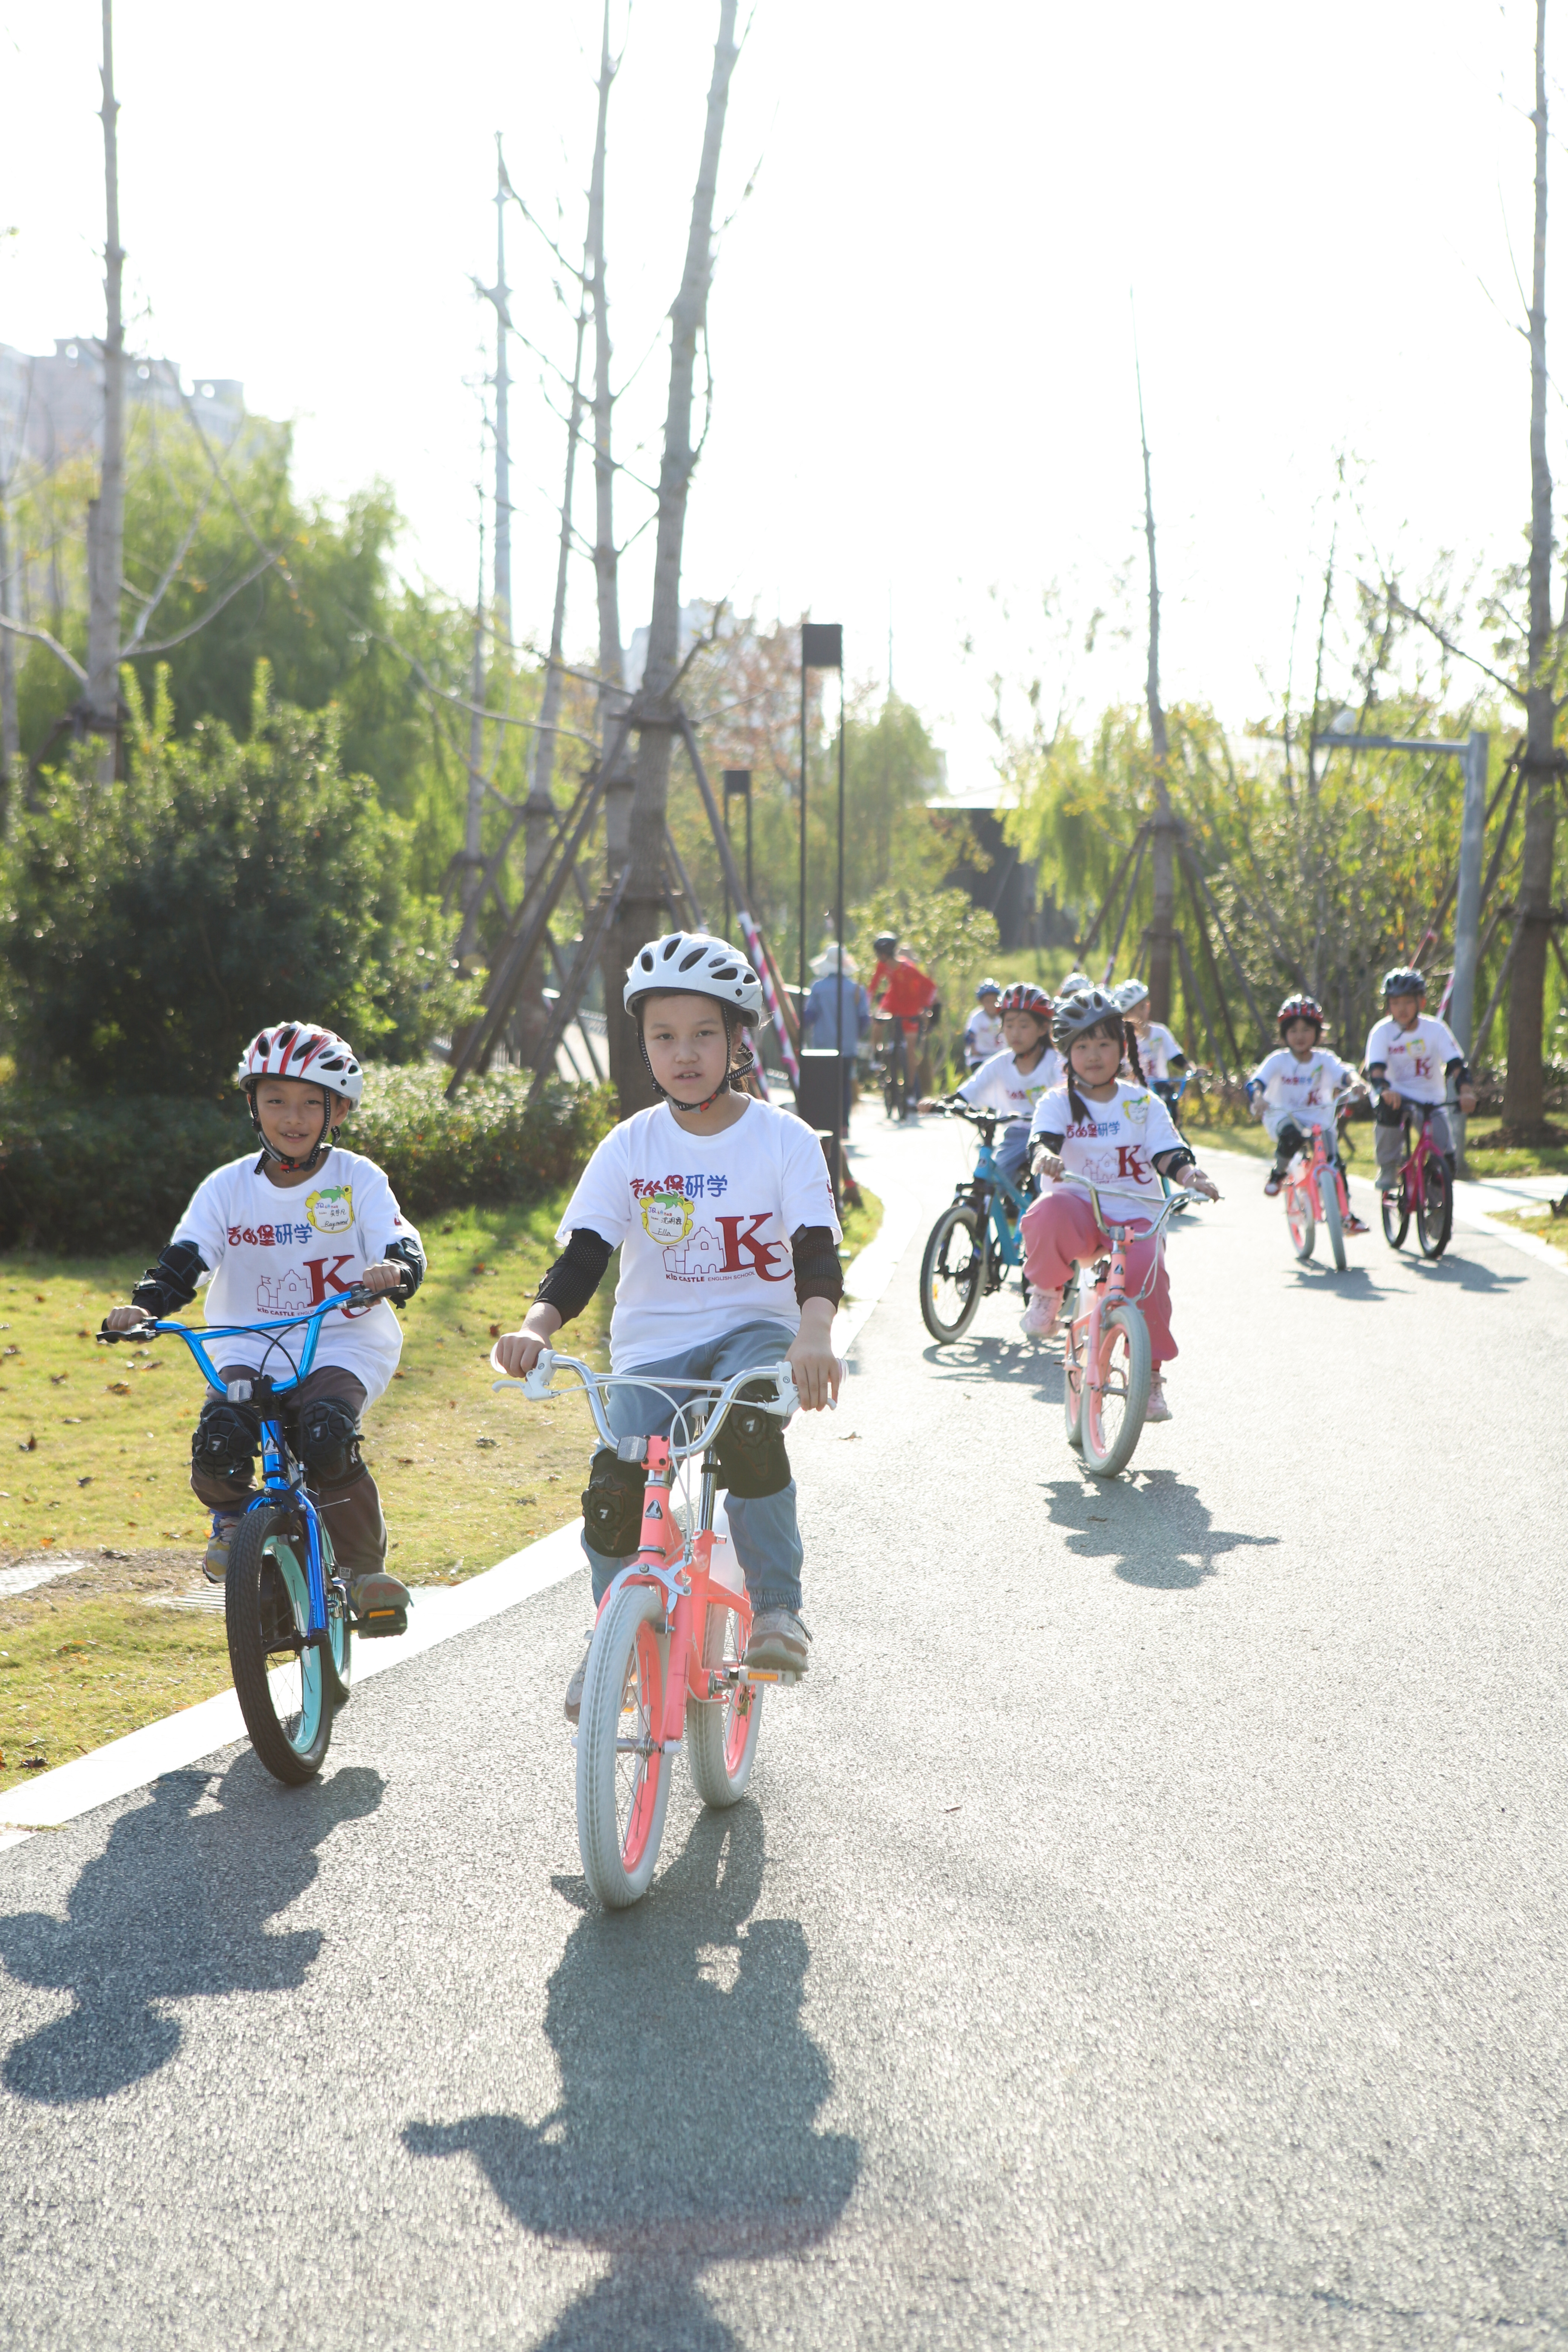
x: 1147, y: 1928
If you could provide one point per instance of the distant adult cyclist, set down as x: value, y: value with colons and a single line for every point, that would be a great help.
x: 906, y: 997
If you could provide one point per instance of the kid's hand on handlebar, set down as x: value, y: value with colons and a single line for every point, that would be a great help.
x: 121, y: 1320
x: 817, y: 1372
x: 1049, y: 1163
x: 1194, y: 1181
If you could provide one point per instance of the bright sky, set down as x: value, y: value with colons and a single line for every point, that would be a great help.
x: 920, y: 322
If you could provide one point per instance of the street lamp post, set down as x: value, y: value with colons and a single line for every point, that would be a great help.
x: 738, y: 786
x: 822, y: 647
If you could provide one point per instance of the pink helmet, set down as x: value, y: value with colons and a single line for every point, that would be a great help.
x: 302, y: 1049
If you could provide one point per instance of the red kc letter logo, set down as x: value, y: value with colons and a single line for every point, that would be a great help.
x: 323, y: 1274
x: 1127, y: 1162
x: 762, y: 1254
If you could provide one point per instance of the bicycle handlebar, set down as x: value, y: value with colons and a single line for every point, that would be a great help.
x: 355, y: 1296
x: 536, y: 1385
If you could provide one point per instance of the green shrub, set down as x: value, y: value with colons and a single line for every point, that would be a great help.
x: 83, y: 1175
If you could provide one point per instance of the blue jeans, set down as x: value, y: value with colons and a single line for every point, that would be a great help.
x: 1013, y: 1153
x: 762, y: 1529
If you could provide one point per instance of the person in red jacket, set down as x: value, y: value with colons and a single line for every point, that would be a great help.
x: 905, y: 995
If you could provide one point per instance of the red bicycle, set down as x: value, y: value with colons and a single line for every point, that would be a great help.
x: 1310, y: 1203
x: 1425, y: 1188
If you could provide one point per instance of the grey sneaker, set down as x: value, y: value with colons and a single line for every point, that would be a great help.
x: 381, y: 1605
x: 778, y: 1641
x: 215, y: 1559
x: 574, y: 1688
x: 1159, y: 1405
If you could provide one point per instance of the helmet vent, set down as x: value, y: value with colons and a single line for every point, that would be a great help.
x: 695, y: 956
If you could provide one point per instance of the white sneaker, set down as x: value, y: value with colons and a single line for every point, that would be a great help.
x: 1158, y: 1407
x: 1042, y: 1313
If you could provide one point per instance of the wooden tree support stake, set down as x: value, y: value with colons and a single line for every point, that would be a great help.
x: 606, y: 907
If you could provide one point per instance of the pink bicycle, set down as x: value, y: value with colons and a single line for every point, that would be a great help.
x: 666, y: 1668
x: 1106, y: 1356
x: 1425, y: 1190
x: 1310, y: 1202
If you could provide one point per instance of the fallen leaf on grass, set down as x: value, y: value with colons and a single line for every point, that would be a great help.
x: 495, y: 1330
x: 487, y: 1441
x: 27, y: 1445
x: 55, y: 1379
x: 84, y: 1482
x: 118, y: 1388
x: 70, y: 1419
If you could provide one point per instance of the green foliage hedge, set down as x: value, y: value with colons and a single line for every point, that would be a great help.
x: 91, y: 1175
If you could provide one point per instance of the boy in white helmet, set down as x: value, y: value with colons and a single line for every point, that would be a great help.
x: 273, y: 1236
x: 723, y: 1213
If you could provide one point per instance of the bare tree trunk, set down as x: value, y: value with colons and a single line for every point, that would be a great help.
x: 1162, y: 921
x: 474, y: 815
x: 1524, y: 1099
x: 642, y: 908
x: 106, y: 513
x: 606, y: 562
x: 539, y: 815
x: 10, y: 733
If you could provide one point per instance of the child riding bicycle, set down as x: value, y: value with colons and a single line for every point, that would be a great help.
x: 1013, y: 1080
x: 1119, y: 1135
x: 906, y: 1001
x: 264, y: 1251
x: 722, y: 1211
x: 1159, y: 1056
x: 1294, y: 1090
x: 982, y: 1031
x: 1411, y: 1058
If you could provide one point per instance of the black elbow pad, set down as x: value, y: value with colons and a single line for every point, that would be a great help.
x: 172, y: 1282
x: 411, y: 1258
x: 817, y: 1271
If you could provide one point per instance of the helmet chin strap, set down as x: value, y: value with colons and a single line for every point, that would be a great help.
x: 736, y: 1070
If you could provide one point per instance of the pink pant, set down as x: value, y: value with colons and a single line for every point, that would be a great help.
x: 1061, y: 1226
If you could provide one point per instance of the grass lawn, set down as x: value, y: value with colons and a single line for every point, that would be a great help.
x: 102, y: 1443
x: 1542, y: 1221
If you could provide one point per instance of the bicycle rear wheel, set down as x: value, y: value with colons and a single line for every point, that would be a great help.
x: 953, y: 1271
x: 1329, y: 1194
x: 1116, y: 1399
x: 722, y: 1733
x: 282, y: 1686
x: 1435, y: 1212
x: 1299, y: 1218
x: 623, y: 1776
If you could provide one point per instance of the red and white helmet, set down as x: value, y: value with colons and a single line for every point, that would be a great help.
x: 1024, y: 997
x: 302, y: 1049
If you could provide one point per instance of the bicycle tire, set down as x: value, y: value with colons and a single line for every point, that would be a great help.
x: 967, y: 1280
x: 1300, y: 1221
x: 1334, y: 1224
x: 1395, y: 1217
x: 1072, y: 1382
x: 284, y: 1694
x: 722, y: 1733
x: 1107, y: 1450
x: 621, y: 1804
x: 340, y: 1644
x: 1435, y: 1213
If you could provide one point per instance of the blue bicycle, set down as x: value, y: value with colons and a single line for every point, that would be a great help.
x: 289, y: 1618
x: 975, y: 1244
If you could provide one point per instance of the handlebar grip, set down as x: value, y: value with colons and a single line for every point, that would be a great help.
x: 536, y: 1384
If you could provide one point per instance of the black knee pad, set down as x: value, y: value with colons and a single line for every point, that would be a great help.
x: 227, y: 1439
x: 329, y: 1442
x: 753, y: 1461
x: 612, y: 1505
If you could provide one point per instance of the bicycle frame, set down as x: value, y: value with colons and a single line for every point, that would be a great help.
x: 1105, y: 1285
x: 986, y: 1188
x: 1413, y: 1167
x: 1314, y: 1166
x: 282, y: 1478
x: 677, y: 1561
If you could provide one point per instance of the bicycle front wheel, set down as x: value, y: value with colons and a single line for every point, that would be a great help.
x: 1435, y: 1211
x: 722, y: 1733
x: 623, y: 1775
x: 1116, y: 1393
x: 1334, y: 1224
x: 953, y: 1271
x: 281, y: 1682
x: 1072, y: 1381
x: 1298, y: 1217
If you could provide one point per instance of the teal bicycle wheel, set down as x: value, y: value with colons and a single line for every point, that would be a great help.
x: 282, y: 1685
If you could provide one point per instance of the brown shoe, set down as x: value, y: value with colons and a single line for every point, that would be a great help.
x: 381, y: 1606
x: 778, y: 1645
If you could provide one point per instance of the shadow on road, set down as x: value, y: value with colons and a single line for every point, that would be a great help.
x: 176, y: 1905
x: 1328, y: 1282
x: 995, y: 1358
x: 685, y: 2131
x: 1463, y: 1273
x: 1156, y: 1528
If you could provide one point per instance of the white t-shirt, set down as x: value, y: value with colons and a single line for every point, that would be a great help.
x: 1157, y: 1049
x: 278, y: 1250
x: 1000, y: 1085
x: 703, y: 1222
x: 982, y: 1036
x: 1305, y: 1090
x: 1416, y: 1057
x: 1115, y: 1145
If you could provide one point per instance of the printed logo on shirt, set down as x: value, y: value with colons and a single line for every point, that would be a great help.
x: 283, y: 1236
x: 646, y: 1188
x: 302, y: 1287
x: 332, y: 1209
x: 666, y: 1217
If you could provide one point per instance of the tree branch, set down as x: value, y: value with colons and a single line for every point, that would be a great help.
x: 42, y: 637
x: 1397, y: 603
x: 167, y: 645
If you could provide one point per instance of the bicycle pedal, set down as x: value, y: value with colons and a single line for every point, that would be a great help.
x: 380, y: 1624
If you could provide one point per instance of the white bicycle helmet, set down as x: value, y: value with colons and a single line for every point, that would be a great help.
x: 1129, y: 993
x: 697, y: 964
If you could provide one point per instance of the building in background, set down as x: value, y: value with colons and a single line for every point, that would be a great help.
x: 51, y: 405
x: 993, y: 873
